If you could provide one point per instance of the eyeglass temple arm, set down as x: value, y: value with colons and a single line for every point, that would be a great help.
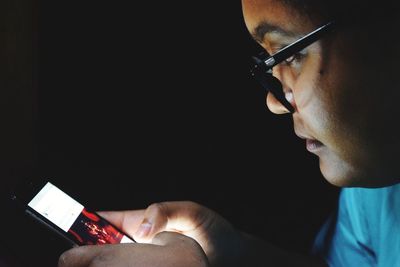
x: 299, y: 45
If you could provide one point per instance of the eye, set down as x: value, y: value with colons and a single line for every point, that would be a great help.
x: 296, y: 58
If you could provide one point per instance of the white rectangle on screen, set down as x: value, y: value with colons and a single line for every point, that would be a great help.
x: 56, y: 206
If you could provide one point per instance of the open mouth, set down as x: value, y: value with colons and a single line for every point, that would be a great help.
x: 313, y: 145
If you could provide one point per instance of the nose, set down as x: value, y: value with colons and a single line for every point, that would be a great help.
x: 276, y: 106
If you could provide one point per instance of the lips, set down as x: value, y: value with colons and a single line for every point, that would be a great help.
x: 313, y: 145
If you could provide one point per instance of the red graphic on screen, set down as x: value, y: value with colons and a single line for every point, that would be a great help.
x: 90, y: 229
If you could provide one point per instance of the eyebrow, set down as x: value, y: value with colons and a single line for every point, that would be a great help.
x: 265, y: 27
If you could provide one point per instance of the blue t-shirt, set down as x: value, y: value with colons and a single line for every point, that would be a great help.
x: 365, y: 230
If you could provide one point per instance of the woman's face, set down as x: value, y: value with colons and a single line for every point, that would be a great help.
x: 344, y: 104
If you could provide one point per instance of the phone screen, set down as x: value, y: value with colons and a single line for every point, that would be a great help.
x: 80, y: 225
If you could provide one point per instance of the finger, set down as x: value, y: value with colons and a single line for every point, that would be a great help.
x: 168, y: 238
x: 178, y: 216
x: 127, y: 221
x: 180, y: 243
x: 81, y: 256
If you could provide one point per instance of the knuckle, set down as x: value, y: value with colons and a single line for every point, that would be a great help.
x: 157, y: 208
x: 193, y: 204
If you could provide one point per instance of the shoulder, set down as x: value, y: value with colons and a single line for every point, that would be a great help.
x: 363, y: 216
x: 364, y: 220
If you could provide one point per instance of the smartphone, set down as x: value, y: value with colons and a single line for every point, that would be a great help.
x: 49, y: 205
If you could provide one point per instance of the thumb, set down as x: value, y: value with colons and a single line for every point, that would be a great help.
x: 128, y: 221
x: 175, y: 216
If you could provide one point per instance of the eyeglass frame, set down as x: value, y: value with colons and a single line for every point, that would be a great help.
x: 262, y: 70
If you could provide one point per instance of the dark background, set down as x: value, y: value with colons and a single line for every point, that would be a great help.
x: 130, y: 104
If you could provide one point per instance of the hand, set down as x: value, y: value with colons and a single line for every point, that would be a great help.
x: 217, y: 237
x: 166, y: 250
x: 181, y: 234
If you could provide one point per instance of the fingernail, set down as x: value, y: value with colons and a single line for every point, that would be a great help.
x: 144, y: 229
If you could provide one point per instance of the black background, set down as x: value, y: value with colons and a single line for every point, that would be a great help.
x: 152, y: 101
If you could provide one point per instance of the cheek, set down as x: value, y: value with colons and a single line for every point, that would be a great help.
x: 313, y: 113
x: 304, y: 80
x: 316, y: 95
x: 321, y: 93
x: 332, y: 115
x: 310, y: 93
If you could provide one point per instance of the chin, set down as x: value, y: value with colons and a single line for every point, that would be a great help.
x: 343, y: 174
x: 339, y: 181
x: 339, y: 173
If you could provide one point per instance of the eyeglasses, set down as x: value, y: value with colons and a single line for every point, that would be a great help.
x: 262, y: 70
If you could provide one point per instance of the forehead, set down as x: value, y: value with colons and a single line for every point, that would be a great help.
x: 275, y: 12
